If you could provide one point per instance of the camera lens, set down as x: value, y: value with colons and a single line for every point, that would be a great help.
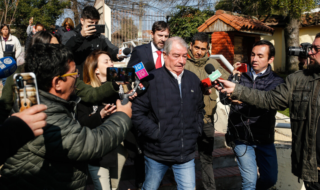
x: 295, y: 51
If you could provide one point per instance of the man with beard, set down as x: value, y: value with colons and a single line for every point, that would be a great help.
x: 300, y: 94
x: 198, y: 58
x: 152, y: 52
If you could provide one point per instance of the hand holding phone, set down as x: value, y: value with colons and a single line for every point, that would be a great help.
x: 243, y: 68
x: 34, y: 118
x: 99, y: 28
x: 87, y: 30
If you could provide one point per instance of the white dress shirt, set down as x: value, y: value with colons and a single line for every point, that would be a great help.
x: 178, y: 78
x: 155, y: 54
x: 254, y: 75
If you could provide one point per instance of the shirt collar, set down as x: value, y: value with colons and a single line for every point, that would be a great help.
x: 259, y: 74
x: 154, y: 49
x: 176, y: 76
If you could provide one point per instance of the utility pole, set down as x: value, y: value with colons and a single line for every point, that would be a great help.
x: 140, y: 22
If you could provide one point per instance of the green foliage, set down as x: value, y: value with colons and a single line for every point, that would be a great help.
x: 186, y: 20
x: 44, y: 11
x: 285, y: 112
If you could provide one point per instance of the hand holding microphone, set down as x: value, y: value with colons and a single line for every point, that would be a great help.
x: 214, y: 74
x: 125, y: 108
x: 124, y: 53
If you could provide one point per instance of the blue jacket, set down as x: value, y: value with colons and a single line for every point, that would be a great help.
x: 261, y: 121
x: 169, y: 125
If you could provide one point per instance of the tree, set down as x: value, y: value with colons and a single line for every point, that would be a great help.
x: 44, y: 11
x: 186, y: 20
x: 291, y: 9
x: 8, y: 9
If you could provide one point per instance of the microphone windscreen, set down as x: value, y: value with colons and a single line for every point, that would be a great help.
x: 149, y: 66
x: 209, y: 69
x: 126, y: 51
x: 145, y: 85
x: 7, y: 67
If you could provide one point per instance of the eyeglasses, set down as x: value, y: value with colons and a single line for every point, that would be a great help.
x: 314, y: 49
x: 70, y: 74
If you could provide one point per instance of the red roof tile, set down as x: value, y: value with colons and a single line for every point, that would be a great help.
x: 237, y: 22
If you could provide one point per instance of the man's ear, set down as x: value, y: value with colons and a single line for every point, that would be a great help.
x: 190, y: 45
x: 82, y: 21
x: 56, y: 84
x: 271, y: 60
x: 164, y: 56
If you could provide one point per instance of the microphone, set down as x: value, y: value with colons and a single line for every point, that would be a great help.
x: 213, y: 74
x: 142, y: 72
x: 124, y: 52
x: 241, y: 69
x: 7, y: 67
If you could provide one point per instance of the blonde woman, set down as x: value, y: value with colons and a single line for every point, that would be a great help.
x: 105, y: 172
x: 67, y: 25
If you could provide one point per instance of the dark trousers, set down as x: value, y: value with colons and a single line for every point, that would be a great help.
x: 313, y: 185
x: 205, y: 149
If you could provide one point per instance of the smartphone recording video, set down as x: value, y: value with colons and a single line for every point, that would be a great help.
x: 126, y: 75
x: 26, y: 90
x: 100, y: 28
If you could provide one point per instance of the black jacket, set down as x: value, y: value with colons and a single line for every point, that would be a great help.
x: 28, y: 41
x: 142, y: 54
x: 14, y: 133
x: 81, y: 47
x: 61, y: 31
x: 87, y: 117
x: 261, y: 121
x: 169, y: 124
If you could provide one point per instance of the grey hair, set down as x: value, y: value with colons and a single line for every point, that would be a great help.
x: 169, y: 42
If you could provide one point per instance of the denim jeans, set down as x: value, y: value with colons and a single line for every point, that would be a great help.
x: 251, y: 156
x: 184, y: 174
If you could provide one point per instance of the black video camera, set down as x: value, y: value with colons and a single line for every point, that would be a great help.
x: 302, y: 51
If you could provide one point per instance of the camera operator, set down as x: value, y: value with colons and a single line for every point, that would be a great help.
x: 20, y: 128
x: 300, y: 93
x: 85, y: 39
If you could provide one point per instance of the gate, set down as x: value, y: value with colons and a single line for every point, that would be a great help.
x: 133, y: 26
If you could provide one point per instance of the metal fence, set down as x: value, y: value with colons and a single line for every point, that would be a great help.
x: 133, y: 26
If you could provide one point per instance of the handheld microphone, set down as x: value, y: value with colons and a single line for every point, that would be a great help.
x: 206, y: 83
x: 7, y: 67
x: 124, y: 52
x: 236, y: 78
x: 142, y: 72
x: 213, y: 74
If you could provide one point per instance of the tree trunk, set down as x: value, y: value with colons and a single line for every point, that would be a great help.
x: 75, y: 10
x: 291, y: 33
